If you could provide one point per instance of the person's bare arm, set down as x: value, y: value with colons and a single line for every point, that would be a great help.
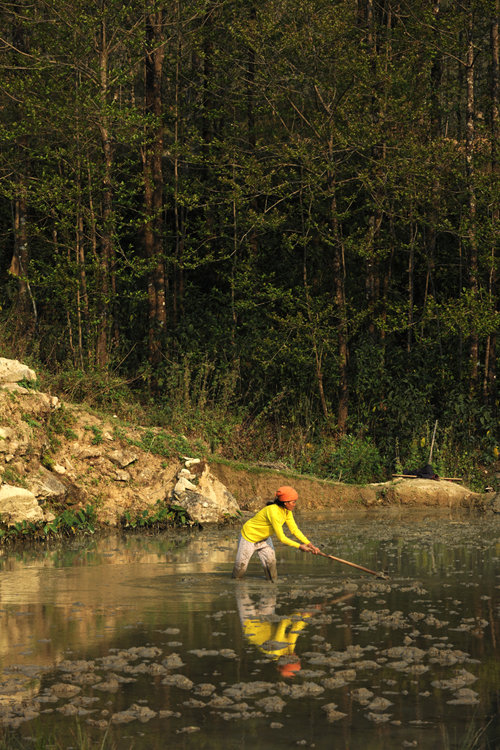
x: 309, y: 548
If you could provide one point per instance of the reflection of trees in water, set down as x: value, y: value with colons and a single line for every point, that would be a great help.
x: 42, y: 633
x: 102, y: 585
x: 65, y: 597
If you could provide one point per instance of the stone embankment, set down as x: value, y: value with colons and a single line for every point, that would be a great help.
x: 55, y: 455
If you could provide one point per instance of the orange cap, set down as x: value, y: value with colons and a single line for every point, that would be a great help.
x: 290, y: 669
x: 286, y: 494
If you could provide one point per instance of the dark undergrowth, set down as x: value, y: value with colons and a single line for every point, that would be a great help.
x: 187, y: 418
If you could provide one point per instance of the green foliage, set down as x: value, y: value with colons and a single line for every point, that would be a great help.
x: 30, y: 385
x: 160, y: 516
x: 163, y: 444
x: 11, y: 476
x: 470, y: 458
x: 97, y: 434
x: 60, y: 422
x: 320, y: 220
x: 96, y: 388
x: 47, y: 461
x: 34, y: 423
x: 352, y: 459
x: 47, y: 739
x: 68, y: 523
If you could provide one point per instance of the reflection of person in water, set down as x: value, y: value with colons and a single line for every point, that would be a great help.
x: 274, y: 636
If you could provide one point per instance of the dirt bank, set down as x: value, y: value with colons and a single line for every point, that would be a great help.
x: 64, y: 455
x: 252, y: 488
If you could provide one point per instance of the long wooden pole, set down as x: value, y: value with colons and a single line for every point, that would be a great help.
x: 415, y: 476
x: 354, y: 565
x: 432, y: 444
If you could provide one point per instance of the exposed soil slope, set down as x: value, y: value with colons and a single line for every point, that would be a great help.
x: 67, y: 455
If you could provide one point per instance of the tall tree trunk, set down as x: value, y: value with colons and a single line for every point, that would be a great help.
x: 489, y: 387
x: 105, y: 290
x: 471, y: 189
x: 378, y: 152
x: 82, y: 298
x: 317, y: 344
x: 25, y: 307
x: 411, y: 286
x: 153, y: 188
x: 338, y: 272
x: 250, y: 117
x: 178, y: 271
x: 436, y: 76
x: 25, y: 311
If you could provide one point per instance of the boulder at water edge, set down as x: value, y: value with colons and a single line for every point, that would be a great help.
x: 205, y: 499
x: 18, y: 505
x: 12, y: 371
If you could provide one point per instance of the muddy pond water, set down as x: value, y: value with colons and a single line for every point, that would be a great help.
x: 146, y: 642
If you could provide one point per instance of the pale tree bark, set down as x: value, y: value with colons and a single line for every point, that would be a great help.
x: 25, y: 311
x: 436, y: 75
x: 377, y: 15
x: 106, y: 259
x: 317, y: 344
x: 338, y: 273
x: 153, y: 186
x: 178, y: 271
x: 471, y: 189
x: 25, y: 307
x: 82, y: 297
x: 489, y: 383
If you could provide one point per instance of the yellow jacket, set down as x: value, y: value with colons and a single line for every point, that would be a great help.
x: 275, y: 638
x: 269, y: 520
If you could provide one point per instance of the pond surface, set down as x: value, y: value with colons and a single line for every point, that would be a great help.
x: 146, y: 642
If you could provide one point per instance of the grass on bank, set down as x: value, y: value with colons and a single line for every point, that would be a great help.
x: 82, y: 521
x: 192, y: 417
x: 77, y: 737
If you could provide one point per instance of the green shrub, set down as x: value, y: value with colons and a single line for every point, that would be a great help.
x: 352, y: 459
x: 68, y: 523
x: 160, y: 516
x: 11, y: 476
x: 163, y: 444
x: 98, y: 436
x: 34, y: 423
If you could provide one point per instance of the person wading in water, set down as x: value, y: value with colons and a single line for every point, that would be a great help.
x: 257, y: 531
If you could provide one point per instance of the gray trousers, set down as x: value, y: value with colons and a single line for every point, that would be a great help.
x: 265, y: 551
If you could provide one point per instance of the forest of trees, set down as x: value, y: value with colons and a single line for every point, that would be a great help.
x: 295, y: 201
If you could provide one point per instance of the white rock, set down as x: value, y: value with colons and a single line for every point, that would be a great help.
x: 208, y: 502
x: 45, y: 484
x: 187, y: 474
x: 191, y: 461
x: 18, y: 504
x: 12, y: 371
x: 121, y: 475
x: 6, y: 435
x: 121, y: 458
x: 184, y: 484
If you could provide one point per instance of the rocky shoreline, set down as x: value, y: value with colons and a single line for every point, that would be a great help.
x: 55, y: 455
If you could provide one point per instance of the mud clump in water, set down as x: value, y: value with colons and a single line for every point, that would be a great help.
x: 411, y: 637
x: 331, y: 712
x: 271, y: 704
x: 179, y: 681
